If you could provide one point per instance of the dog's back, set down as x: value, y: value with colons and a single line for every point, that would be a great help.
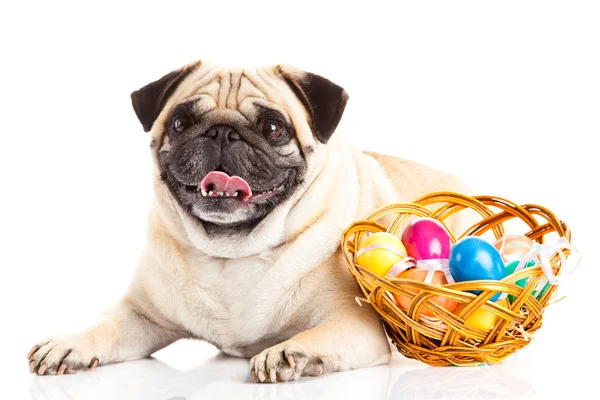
x: 412, y: 179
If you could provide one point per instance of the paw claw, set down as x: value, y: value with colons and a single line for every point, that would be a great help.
x: 291, y: 361
x: 32, y: 351
x: 42, y: 369
x: 94, y: 363
x: 61, y: 369
x: 261, y: 376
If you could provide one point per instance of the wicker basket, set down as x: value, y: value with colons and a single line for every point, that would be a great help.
x: 445, y: 339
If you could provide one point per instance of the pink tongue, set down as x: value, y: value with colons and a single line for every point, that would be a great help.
x: 221, y: 182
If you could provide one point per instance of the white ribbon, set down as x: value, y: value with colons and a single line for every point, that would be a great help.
x: 402, y: 265
x: 541, y: 255
x: 513, y: 244
x: 433, y: 265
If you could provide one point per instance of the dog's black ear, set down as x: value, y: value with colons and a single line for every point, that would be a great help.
x: 149, y: 101
x: 324, y: 100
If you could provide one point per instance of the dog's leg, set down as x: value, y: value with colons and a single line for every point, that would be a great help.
x: 348, y: 340
x: 122, y: 333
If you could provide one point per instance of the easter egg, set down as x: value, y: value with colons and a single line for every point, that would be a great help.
x: 380, y: 260
x: 426, y: 239
x: 481, y: 319
x: 513, y: 247
x: 473, y: 258
x: 419, y: 275
x: 510, y: 268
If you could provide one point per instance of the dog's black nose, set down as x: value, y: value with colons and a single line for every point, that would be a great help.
x: 223, y: 132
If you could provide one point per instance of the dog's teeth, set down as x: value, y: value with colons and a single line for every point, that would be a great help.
x: 220, y: 193
x: 227, y: 194
x: 210, y: 193
x: 203, y: 192
x: 235, y: 194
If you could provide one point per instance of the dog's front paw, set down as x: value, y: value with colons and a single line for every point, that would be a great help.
x: 64, y: 355
x: 283, y: 362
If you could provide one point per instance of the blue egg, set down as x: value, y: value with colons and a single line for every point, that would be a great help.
x: 473, y: 259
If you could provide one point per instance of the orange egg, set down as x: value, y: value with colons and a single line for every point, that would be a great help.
x: 419, y: 275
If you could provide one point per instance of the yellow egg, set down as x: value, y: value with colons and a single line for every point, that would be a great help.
x: 481, y: 319
x: 380, y: 260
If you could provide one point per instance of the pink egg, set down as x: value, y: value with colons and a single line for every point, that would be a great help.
x: 426, y: 239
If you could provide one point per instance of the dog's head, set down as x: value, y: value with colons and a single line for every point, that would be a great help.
x: 232, y: 144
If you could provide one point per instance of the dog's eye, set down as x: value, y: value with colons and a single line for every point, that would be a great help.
x: 181, y: 123
x: 271, y: 129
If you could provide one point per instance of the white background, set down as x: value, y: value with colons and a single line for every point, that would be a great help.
x: 504, y: 94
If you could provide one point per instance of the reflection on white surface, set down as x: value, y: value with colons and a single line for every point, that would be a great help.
x: 142, y: 379
x: 222, y: 377
x: 218, y: 377
x: 483, y: 382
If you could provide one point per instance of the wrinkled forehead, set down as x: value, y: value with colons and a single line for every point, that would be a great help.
x: 242, y: 91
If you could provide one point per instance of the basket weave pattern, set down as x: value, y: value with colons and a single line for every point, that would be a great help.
x: 445, y: 339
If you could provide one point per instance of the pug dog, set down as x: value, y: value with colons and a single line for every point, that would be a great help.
x: 253, y: 187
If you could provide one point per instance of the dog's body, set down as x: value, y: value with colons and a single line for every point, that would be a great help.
x: 276, y: 288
